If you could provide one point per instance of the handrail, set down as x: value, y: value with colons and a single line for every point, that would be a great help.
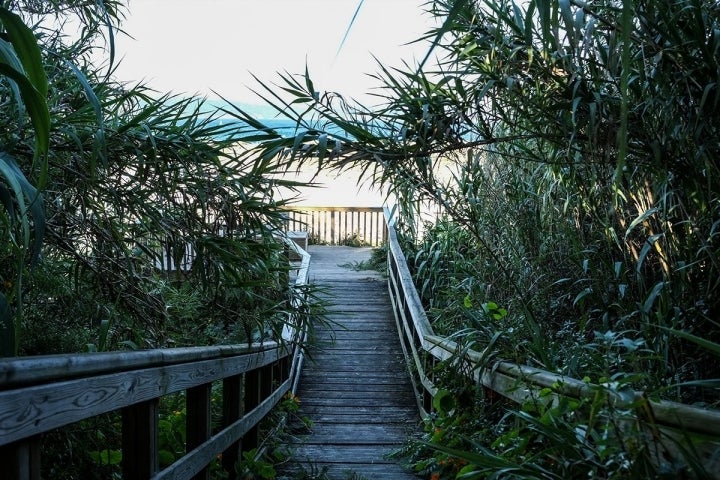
x: 38, y: 394
x: 423, y: 348
x: 335, y: 225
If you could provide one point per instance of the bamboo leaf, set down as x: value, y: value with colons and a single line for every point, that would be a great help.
x: 710, y: 346
x: 10, y: 177
x: 36, y: 206
x: 640, y: 219
x: 34, y: 103
x: 647, y: 246
x: 28, y: 51
x: 650, y: 300
x: 569, y: 20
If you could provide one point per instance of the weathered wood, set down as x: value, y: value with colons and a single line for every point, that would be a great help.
x: 37, y: 409
x: 355, y: 388
x: 366, y: 416
x: 45, y: 368
x: 198, y: 421
x: 334, y: 224
x: 189, y: 465
x: 359, y: 459
x: 21, y: 460
x: 374, y: 471
x: 140, y: 440
x: 232, y: 411
x: 252, y: 399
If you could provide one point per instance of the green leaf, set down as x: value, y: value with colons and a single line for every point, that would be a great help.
x: 89, y: 93
x: 580, y: 296
x: 22, y: 190
x: 644, y: 216
x: 28, y: 51
x: 443, y: 402
x: 34, y: 103
x: 649, y: 244
x: 710, y: 346
x: 569, y: 21
x: 467, y: 301
x: 106, y: 457
x: 11, y: 178
x: 654, y: 293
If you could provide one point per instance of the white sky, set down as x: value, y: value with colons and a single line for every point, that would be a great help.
x: 195, y: 46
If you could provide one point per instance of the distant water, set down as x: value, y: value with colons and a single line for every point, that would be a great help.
x: 284, y: 127
x: 262, y: 113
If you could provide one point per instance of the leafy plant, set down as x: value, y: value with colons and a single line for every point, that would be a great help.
x: 377, y: 261
x: 253, y: 467
x: 22, y: 218
x: 558, y: 158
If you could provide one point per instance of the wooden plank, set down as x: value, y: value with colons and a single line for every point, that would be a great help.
x: 374, y: 471
x: 362, y: 434
x: 358, y: 455
x: 352, y: 399
x: 21, y: 460
x: 321, y: 415
x: 322, y: 376
x: 358, y: 387
x: 365, y: 348
x: 252, y: 398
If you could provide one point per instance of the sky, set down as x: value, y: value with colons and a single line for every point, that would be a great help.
x: 201, y: 46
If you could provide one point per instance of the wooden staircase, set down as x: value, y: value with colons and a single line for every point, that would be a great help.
x: 355, y: 387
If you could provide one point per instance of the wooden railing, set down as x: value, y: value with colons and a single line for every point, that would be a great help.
x: 38, y: 394
x: 423, y: 349
x: 339, y: 225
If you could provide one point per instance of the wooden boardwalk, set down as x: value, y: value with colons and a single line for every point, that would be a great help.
x: 355, y: 388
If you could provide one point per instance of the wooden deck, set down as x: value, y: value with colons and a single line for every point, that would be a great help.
x: 355, y: 388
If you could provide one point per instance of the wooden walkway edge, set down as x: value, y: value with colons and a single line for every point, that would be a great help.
x: 355, y: 388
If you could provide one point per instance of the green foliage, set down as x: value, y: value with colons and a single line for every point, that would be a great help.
x: 353, y: 240
x: 128, y: 219
x: 377, y: 261
x: 90, y: 449
x: 547, y: 437
x: 155, y: 229
x: 22, y: 216
x: 253, y: 467
x: 571, y: 151
x: 566, y: 154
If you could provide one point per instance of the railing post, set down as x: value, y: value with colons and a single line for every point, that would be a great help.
x: 332, y: 229
x: 140, y: 440
x: 252, y: 400
x: 197, y: 421
x: 232, y: 411
x: 280, y: 370
x: 21, y: 460
x: 266, y: 381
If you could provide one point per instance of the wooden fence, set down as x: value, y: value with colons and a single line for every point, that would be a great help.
x: 520, y: 383
x: 339, y: 225
x: 38, y: 394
